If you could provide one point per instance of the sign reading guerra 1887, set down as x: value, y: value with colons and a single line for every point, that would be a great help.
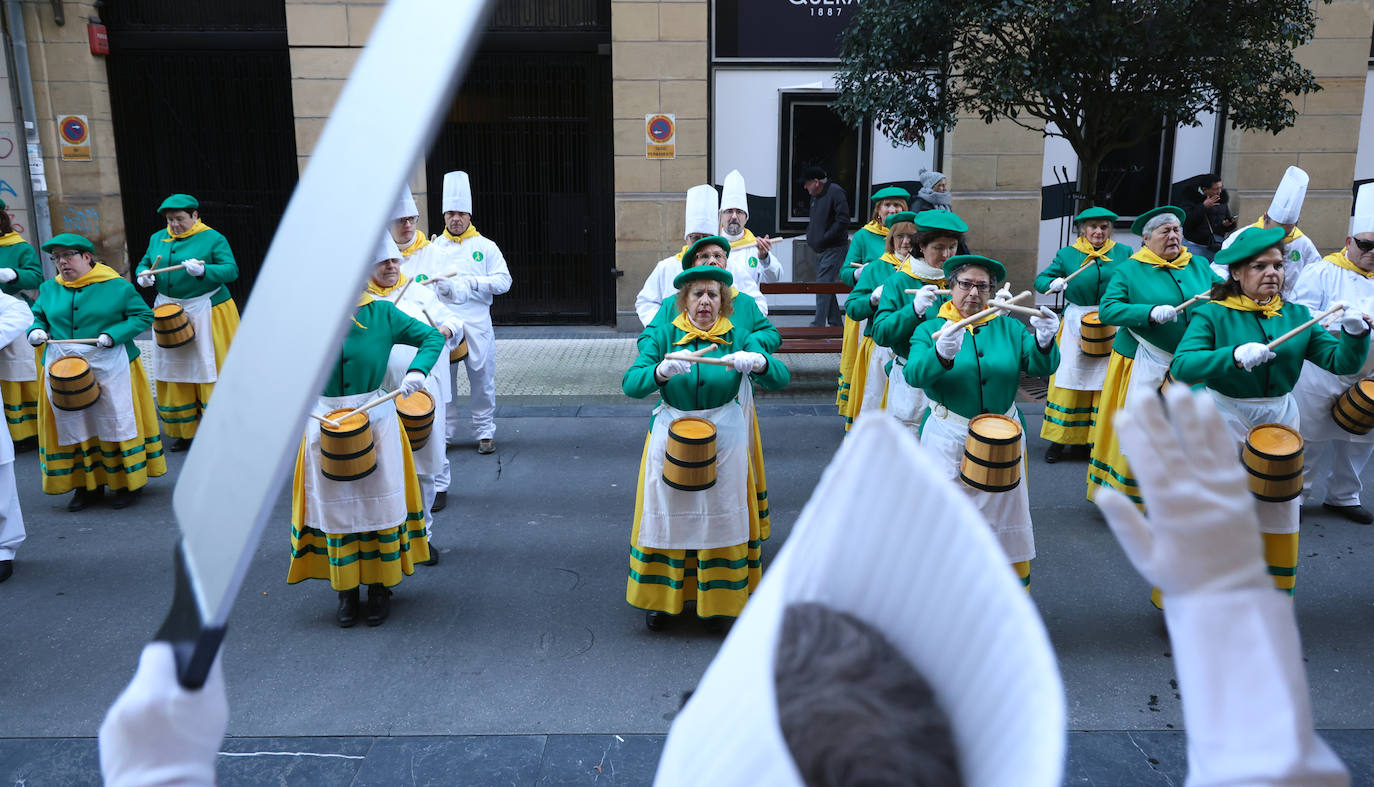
x: 781, y: 29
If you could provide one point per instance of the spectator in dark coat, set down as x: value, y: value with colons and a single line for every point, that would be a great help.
x: 827, y: 235
x: 1207, y: 213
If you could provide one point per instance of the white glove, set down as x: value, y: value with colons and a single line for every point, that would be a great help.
x: 8, y: 275
x: 37, y: 336
x: 104, y: 340
x: 671, y: 367
x: 1252, y: 354
x: 746, y: 362
x: 948, y: 344
x: 1045, y: 326
x: 1352, y: 322
x: 1202, y: 535
x: 194, y: 267
x: 1162, y: 314
x: 875, y: 296
x: 443, y: 288
x: 1004, y: 293
x: 146, y: 280
x: 412, y: 382
x: 159, y: 733
x: 1058, y: 284
x: 923, y: 300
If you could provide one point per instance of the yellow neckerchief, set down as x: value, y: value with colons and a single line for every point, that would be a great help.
x: 747, y: 239
x: 98, y: 273
x: 891, y: 259
x: 927, y: 272
x: 877, y: 228
x: 470, y: 232
x: 1340, y: 260
x: 715, y: 335
x: 684, y: 251
x: 1244, y: 303
x: 1292, y: 236
x: 1084, y: 246
x: 199, y: 226
x: 417, y: 241
x: 1150, y: 258
x: 363, y: 300
x: 379, y: 291
x: 951, y: 312
x: 10, y: 238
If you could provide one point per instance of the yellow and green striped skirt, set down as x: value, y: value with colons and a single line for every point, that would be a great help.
x: 1107, y: 465
x: 21, y: 407
x: 859, y: 382
x: 180, y: 405
x: 853, y: 334
x: 1069, y: 415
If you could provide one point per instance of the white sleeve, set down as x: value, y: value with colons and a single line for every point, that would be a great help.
x: 1310, y: 292
x: 771, y: 269
x: 443, y: 316
x: 15, y: 319
x: 748, y: 286
x: 1244, y: 690
x: 496, y: 281
x: 653, y: 293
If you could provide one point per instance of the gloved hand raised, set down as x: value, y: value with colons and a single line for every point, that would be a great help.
x: 1353, y: 322
x: 1163, y: 313
x: 443, y: 287
x: 671, y: 367
x: 746, y: 362
x: 8, y: 275
x: 1045, y: 326
x: 1058, y: 284
x: 875, y: 296
x: 105, y: 340
x: 37, y: 336
x: 194, y: 267
x: 146, y: 280
x: 923, y: 300
x: 412, y: 382
x: 1252, y: 354
x: 948, y: 343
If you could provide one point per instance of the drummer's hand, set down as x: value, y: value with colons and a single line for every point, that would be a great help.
x: 1004, y: 293
x: 159, y: 733
x: 8, y: 275
x: 1163, y: 313
x: 1202, y: 534
x: 446, y: 331
x: 146, y: 280
x: 670, y: 367
x: 1045, y: 326
x: 763, y: 245
x: 412, y: 382
x: 875, y: 296
x: 1252, y: 354
x: 194, y: 267
x: 104, y: 340
x: 443, y: 288
x: 923, y: 300
x: 746, y: 362
x: 1354, y: 322
x: 948, y: 344
x: 1058, y: 284
x: 37, y: 336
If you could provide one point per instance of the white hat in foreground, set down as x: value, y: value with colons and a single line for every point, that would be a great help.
x: 1286, y: 206
x: 405, y: 206
x: 917, y: 561
x: 386, y: 249
x: 1363, y: 220
x: 733, y: 196
x: 457, y: 193
x: 702, y: 213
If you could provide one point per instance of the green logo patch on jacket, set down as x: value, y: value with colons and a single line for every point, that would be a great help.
x: 477, y: 255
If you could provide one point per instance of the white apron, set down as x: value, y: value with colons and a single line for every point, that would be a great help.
x: 905, y: 402
x: 429, y: 460
x: 193, y: 362
x: 875, y: 385
x: 1316, y: 392
x: 17, y: 362
x: 712, y: 518
x: 1147, y: 373
x: 1007, y: 513
x: 376, y: 502
x: 1242, y: 415
x: 111, y: 417
x: 1076, y: 371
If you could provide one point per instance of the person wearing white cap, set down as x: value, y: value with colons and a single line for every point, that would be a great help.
x: 748, y: 254
x: 1284, y: 209
x: 1331, y: 452
x: 469, y: 272
x: 388, y: 283
x: 405, y: 228
x: 15, y: 319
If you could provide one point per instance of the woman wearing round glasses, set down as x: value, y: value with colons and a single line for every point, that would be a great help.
x: 975, y: 370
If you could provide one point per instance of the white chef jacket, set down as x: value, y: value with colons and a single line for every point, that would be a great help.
x: 659, y: 287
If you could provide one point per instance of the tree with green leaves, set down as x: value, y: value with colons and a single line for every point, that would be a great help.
x: 1102, y: 71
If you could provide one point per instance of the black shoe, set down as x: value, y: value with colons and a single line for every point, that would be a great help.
x: 1356, y: 513
x: 440, y: 502
x: 486, y: 446
x: 82, y: 498
x: 348, y: 608
x: 6, y: 569
x: 179, y: 444
x: 1054, y: 452
x: 433, y: 556
x: 717, y: 624
x: 26, y: 445
x: 123, y: 498
x: 657, y: 621
x: 378, y: 604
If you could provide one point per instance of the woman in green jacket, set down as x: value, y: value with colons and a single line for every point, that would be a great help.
x: 1226, y: 349
x: 865, y: 246
x: 701, y: 546
x: 114, y: 441
x: 20, y: 270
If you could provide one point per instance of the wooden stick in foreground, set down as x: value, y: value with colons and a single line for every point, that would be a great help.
x: 937, y: 292
x: 1202, y: 296
x: 984, y: 313
x: 433, y: 279
x: 370, y: 405
x: 1026, y: 310
x: 164, y: 270
x: 73, y: 341
x: 1340, y: 307
x: 1093, y: 264
x: 696, y: 359
x: 325, y: 421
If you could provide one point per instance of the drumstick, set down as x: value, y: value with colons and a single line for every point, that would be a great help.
x: 370, y: 405
x: 696, y: 359
x: 428, y: 318
x: 164, y: 270
x: 325, y: 421
x: 1026, y: 310
x: 433, y: 279
x: 1339, y: 307
x: 1069, y: 278
x: 984, y: 313
x: 73, y: 341
x: 402, y: 293
x: 1202, y: 296
x: 937, y: 292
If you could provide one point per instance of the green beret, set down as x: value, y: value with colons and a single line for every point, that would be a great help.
x: 993, y: 267
x: 1096, y: 213
x: 179, y: 202
x: 703, y: 272
x: 1139, y: 223
x: 69, y: 240
x: 710, y: 240
x: 1248, y: 243
x: 905, y: 215
x: 892, y: 192
x: 946, y: 220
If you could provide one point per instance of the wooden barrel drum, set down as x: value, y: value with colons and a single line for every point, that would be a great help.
x: 992, y: 453
x: 347, y: 453
x: 460, y: 352
x: 690, y: 462
x: 73, y: 383
x: 1095, y: 339
x: 171, y: 326
x: 1354, y: 409
x: 417, y: 416
x: 1273, y: 460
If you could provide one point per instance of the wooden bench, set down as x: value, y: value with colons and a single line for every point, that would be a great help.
x: 808, y: 339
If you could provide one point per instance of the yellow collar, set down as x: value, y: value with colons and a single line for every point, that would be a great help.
x: 417, y: 241
x: 747, y: 239
x: 916, y: 268
x: 1084, y: 246
x: 470, y: 232
x: 1292, y: 236
x: 100, y: 272
x: 877, y: 228
x: 1150, y: 258
x: 10, y: 238
x: 199, y: 226
x: 1244, y: 303
x: 383, y: 292
x: 1340, y: 260
x: 715, y: 335
x: 951, y: 313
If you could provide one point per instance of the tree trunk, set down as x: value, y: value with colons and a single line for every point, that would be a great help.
x: 1089, y: 161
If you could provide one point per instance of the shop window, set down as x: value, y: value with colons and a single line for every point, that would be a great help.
x: 813, y: 135
x: 1133, y: 180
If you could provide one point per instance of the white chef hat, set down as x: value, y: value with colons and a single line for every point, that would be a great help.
x: 702, y: 213
x: 386, y: 249
x: 405, y: 206
x: 1287, y: 203
x: 917, y: 561
x: 457, y: 192
x: 1363, y: 220
x: 734, y: 196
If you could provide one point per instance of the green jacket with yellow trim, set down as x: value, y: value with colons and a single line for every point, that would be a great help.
x: 207, y: 245
x: 112, y: 306
x: 985, y: 373
x: 761, y: 335
x: 1137, y: 287
x: 864, y: 247
x: 894, y: 321
x: 29, y: 269
x: 1087, y: 288
x: 858, y: 306
x: 1206, y: 353
x: 704, y: 386
x: 377, y: 326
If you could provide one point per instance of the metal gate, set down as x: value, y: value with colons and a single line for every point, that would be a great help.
x: 200, y: 95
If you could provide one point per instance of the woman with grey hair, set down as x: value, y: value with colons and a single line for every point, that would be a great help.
x: 934, y: 193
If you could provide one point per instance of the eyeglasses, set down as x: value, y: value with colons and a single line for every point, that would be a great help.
x: 968, y: 286
x: 1364, y: 246
x: 407, y: 219
x: 64, y: 255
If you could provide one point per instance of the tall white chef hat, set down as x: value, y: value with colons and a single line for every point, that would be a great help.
x: 734, y: 196
x: 1287, y: 203
x: 386, y: 249
x: 405, y: 206
x: 457, y: 192
x: 943, y: 594
x: 1363, y: 220
x: 702, y: 213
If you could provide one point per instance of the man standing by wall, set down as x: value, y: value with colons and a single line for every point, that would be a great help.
x: 826, y: 235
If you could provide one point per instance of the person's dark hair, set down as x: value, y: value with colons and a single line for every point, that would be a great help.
x: 852, y: 709
x: 927, y: 237
x: 1231, y: 286
x: 6, y: 225
x: 1205, y: 181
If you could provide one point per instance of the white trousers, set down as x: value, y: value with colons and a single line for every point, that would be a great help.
x: 427, y: 493
x: 482, y: 400
x: 11, y: 518
x: 1340, y: 463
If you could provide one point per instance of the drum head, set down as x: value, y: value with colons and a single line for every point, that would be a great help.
x: 1092, y: 318
x: 70, y: 366
x: 995, y: 427
x: 417, y: 403
x: 1275, y: 439
x: 167, y: 310
x: 693, y: 428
